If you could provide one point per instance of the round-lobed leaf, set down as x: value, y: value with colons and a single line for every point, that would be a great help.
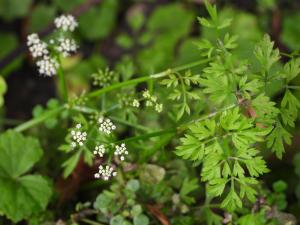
x: 30, y: 193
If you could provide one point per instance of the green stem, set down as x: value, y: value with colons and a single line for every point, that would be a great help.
x: 62, y: 82
x: 185, y: 126
x: 91, y: 222
x: 38, y: 120
x: 137, y: 126
x: 49, y: 114
x: 293, y: 87
x: 145, y: 78
x: 147, y: 136
x: 183, y: 89
x: 117, y: 86
x: 88, y: 110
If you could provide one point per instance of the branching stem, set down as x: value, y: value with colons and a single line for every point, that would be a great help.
x: 54, y: 112
x: 62, y: 81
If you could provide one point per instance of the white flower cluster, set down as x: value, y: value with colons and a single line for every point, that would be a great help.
x: 105, y: 172
x: 66, y: 46
x: 47, y: 66
x: 105, y: 125
x: 158, y: 108
x: 121, y: 151
x: 78, y: 137
x: 135, y: 103
x: 99, y: 150
x: 66, y: 22
x: 151, y: 101
x: 40, y: 50
x: 36, y: 47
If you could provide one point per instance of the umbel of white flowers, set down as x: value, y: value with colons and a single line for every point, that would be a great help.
x: 121, y: 151
x: 99, y: 150
x: 46, y: 58
x: 105, y: 125
x: 78, y: 137
x: 105, y: 172
x: 66, y: 23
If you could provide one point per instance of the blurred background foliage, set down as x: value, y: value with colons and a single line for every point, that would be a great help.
x: 140, y: 37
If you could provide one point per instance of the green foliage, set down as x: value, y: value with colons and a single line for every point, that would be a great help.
x: 52, y: 105
x: 225, y: 111
x: 214, y: 21
x: 225, y: 149
x: 98, y: 22
x: 225, y: 144
x: 3, y: 89
x: 8, y: 42
x: 180, y: 85
x: 277, y: 138
x: 14, y: 8
x: 166, y: 26
x: 265, y: 54
x: 255, y: 218
x: 187, y: 187
x: 18, y: 155
x: 278, y: 197
x: 67, y: 5
x: 290, y: 33
x: 111, y: 203
x: 41, y: 16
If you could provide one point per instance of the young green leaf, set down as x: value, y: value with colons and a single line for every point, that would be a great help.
x: 265, y: 54
x: 277, y: 138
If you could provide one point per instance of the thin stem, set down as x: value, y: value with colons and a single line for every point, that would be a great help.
x: 185, y: 126
x: 91, y: 222
x: 147, y: 136
x: 117, y: 86
x: 49, y: 114
x: 88, y: 110
x: 62, y: 82
x: 145, y: 78
x: 293, y: 87
x: 38, y: 120
x: 137, y: 126
x: 183, y: 89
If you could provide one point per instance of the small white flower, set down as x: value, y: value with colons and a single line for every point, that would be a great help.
x: 149, y: 103
x: 146, y: 94
x: 135, y: 103
x: 121, y: 151
x: 105, y: 125
x: 37, y: 48
x: 153, y: 98
x: 105, y: 172
x: 99, y: 150
x: 78, y: 137
x: 66, y: 46
x: 33, y: 39
x: 159, y: 107
x: 66, y: 22
x: 47, y: 66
